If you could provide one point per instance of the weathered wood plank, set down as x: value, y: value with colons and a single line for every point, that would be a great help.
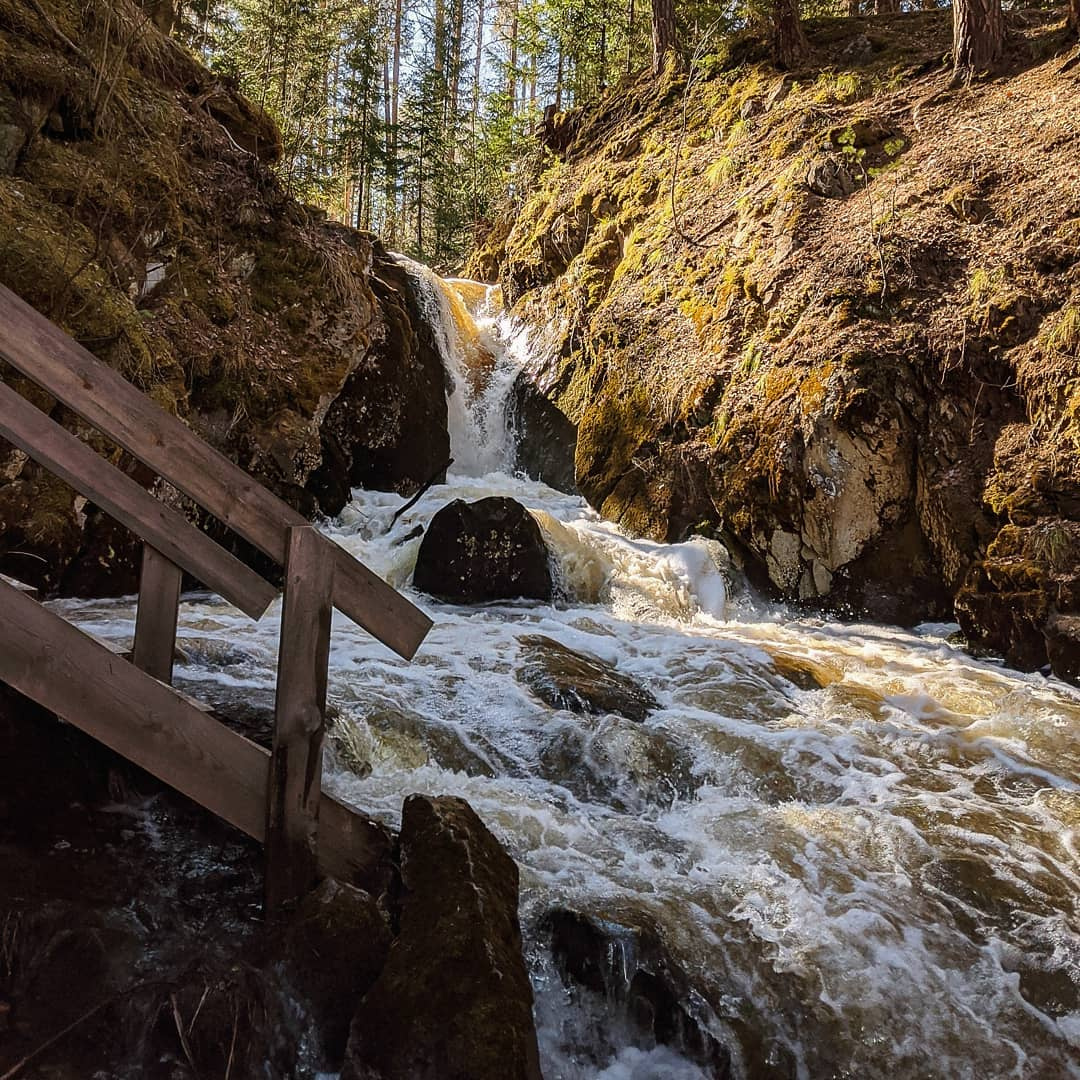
x: 159, y: 729
x: 292, y: 829
x: 157, y: 615
x: 122, y: 498
x: 46, y: 355
x: 59, y: 667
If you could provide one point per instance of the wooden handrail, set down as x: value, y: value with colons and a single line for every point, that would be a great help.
x: 47, y: 356
x: 130, y: 706
x: 68, y: 672
x: 123, y: 499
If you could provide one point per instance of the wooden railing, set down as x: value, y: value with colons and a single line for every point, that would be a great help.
x: 132, y: 707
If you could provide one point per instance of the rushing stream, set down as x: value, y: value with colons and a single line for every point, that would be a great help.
x: 858, y: 845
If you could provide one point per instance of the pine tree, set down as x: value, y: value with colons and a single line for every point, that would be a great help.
x: 978, y: 37
x: 663, y: 32
x: 789, y: 44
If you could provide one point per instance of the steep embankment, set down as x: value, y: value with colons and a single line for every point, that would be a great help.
x: 833, y: 316
x: 138, y: 210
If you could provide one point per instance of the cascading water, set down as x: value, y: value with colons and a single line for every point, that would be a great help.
x: 466, y: 317
x: 858, y: 846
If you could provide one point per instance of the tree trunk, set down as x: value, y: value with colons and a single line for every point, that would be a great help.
x: 511, y: 71
x: 1074, y: 17
x: 789, y: 41
x: 886, y: 7
x: 663, y: 32
x: 978, y: 37
x: 854, y: 7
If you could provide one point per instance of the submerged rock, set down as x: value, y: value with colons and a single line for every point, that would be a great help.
x: 334, y: 950
x: 629, y: 967
x: 565, y: 679
x: 481, y: 551
x: 454, y: 1000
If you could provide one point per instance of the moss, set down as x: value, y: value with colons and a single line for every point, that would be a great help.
x: 1064, y: 335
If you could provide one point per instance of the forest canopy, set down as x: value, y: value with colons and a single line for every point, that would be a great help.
x: 417, y: 119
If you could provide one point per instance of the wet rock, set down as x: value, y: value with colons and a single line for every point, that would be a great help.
x: 487, y: 550
x: 1062, y: 634
x: 629, y: 967
x: 1023, y: 599
x: 387, y: 429
x: 334, y: 949
x: 565, y: 679
x: 546, y: 437
x: 454, y: 1000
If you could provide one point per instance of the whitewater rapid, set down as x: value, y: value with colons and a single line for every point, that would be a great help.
x: 858, y: 843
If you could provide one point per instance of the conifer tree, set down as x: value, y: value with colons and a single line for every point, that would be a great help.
x: 663, y: 32
x: 789, y: 44
x: 978, y: 37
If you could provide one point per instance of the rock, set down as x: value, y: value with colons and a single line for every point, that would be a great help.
x: 387, y: 429
x: 1062, y: 634
x: 487, y: 550
x: 831, y: 178
x: 12, y: 140
x: 546, y: 437
x: 565, y: 679
x: 334, y: 949
x: 629, y: 967
x: 1023, y: 599
x: 779, y: 93
x: 859, y: 50
x: 454, y: 1000
x: 751, y: 107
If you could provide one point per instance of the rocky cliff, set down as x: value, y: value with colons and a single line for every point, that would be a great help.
x: 831, y: 316
x: 138, y: 210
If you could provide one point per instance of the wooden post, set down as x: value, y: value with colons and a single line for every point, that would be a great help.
x: 292, y: 818
x: 157, y: 614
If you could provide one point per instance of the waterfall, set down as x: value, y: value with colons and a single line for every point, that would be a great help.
x: 475, y: 341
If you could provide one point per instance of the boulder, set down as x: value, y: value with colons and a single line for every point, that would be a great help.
x: 387, y: 429
x: 1023, y: 599
x: 453, y: 1001
x: 546, y: 437
x: 629, y: 967
x: 565, y: 679
x: 481, y: 551
x: 1062, y: 634
x: 334, y: 950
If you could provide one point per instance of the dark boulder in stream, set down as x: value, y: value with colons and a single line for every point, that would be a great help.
x: 628, y: 966
x: 482, y: 551
x: 565, y: 679
x: 454, y: 1000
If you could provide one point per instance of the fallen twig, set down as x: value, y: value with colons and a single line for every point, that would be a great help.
x: 420, y: 494
x: 20, y: 1065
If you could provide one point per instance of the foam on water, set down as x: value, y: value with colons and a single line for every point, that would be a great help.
x: 858, y: 843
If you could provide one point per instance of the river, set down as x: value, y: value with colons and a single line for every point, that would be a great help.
x: 856, y: 843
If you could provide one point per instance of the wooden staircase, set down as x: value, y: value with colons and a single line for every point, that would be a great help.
x: 130, y: 706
